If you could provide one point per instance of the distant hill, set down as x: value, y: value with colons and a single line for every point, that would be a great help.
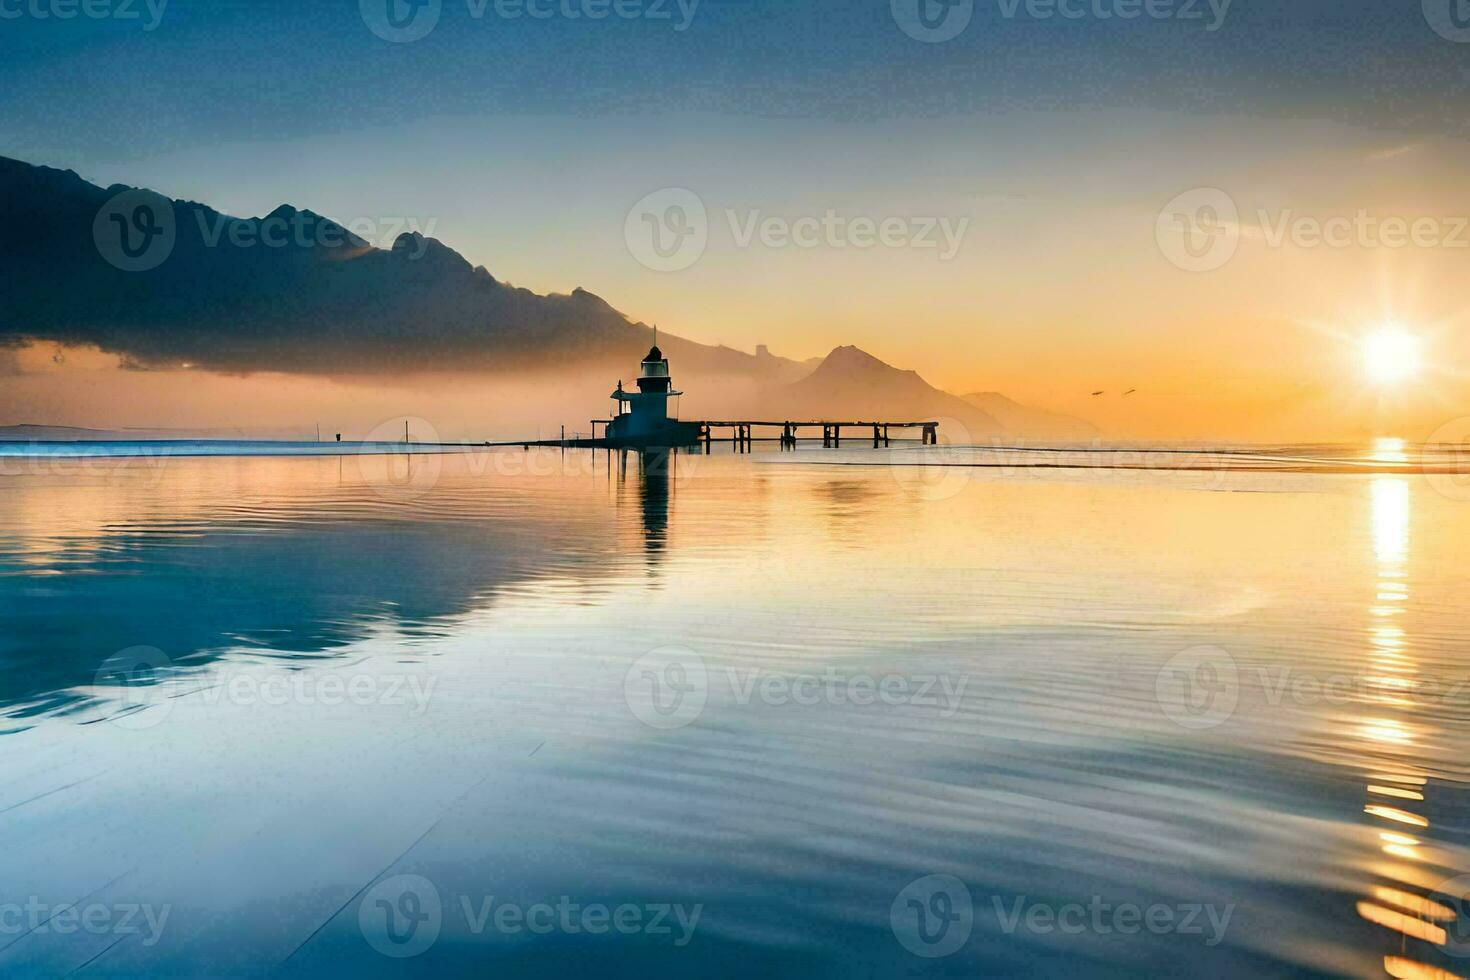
x: 317, y: 300
x: 848, y: 384
x: 57, y: 433
x: 1033, y: 423
x: 853, y: 384
x: 72, y: 433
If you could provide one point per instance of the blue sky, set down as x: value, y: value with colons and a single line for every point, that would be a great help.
x: 83, y: 90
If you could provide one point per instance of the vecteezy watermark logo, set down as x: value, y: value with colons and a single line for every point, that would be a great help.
x: 860, y: 690
x: 932, y: 21
x: 649, y: 10
x: 668, y: 230
x: 135, y: 230
x: 1104, y: 918
x: 1199, y: 230
x: 136, y: 677
x: 667, y: 688
x: 1450, y: 19
x: 400, y: 21
x: 401, y: 916
x: 401, y: 459
x: 1198, y: 688
x: 933, y: 916
x: 937, y: 475
x: 1447, y: 459
x: 1180, y: 10
x: 838, y: 231
x: 1363, y: 229
x: 38, y: 917
x: 90, y: 9
x: 1453, y: 895
x: 575, y: 918
x: 230, y: 684
x: 410, y: 20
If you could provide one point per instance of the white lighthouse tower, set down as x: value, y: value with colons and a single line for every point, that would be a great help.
x: 643, y: 415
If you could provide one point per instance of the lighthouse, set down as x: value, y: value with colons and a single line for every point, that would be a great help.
x: 643, y: 415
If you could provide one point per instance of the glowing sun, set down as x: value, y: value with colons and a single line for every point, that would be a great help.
x: 1390, y: 355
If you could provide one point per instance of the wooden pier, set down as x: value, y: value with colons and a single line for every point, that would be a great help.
x: 742, y: 433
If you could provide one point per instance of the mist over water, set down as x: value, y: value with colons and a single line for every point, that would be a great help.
x: 337, y: 713
x: 527, y: 403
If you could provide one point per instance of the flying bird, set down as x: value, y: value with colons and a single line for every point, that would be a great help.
x: 1096, y: 393
x: 1129, y: 392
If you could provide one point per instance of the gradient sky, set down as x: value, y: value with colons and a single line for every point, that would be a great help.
x: 524, y: 143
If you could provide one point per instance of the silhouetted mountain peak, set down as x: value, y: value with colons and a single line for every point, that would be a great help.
x: 33, y: 180
x: 432, y: 254
x: 592, y: 301
x: 851, y: 383
x: 850, y: 357
x: 241, y: 294
x: 993, y: 397
x: 852, y: 362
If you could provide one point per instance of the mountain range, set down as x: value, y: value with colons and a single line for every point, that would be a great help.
x: 291, y: 291
x: 165, y: 283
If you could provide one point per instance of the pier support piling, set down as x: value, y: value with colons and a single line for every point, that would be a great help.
x: 742, y: 434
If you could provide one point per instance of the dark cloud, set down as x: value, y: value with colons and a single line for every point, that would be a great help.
x: 178, y: 283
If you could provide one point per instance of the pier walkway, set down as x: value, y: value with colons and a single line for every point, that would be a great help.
x: 742, y: 432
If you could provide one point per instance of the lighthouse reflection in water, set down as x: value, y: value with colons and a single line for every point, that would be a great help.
x: 652, y: 470
x: 521, y: 593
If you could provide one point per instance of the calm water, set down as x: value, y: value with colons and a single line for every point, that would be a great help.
x: 931, y: 712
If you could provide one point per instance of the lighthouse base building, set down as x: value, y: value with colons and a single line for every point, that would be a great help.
x: 643, y: 415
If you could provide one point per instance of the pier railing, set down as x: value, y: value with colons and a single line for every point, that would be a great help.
x: 742, y: 431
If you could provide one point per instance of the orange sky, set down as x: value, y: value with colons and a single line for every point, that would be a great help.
x: 1062, y: 152
x: 1063, y: 283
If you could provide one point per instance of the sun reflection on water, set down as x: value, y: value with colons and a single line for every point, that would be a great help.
x: 1388, y: 451
x: 1390, y: 525
x: 1392, y: 675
